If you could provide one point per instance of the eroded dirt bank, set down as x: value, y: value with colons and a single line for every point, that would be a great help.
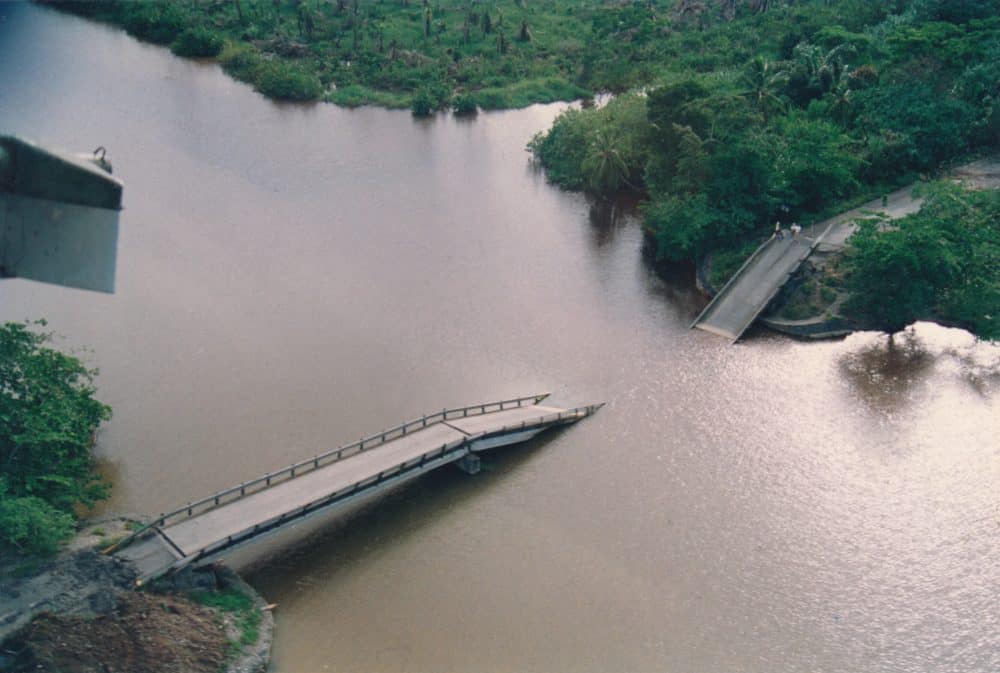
x: 78, y: 613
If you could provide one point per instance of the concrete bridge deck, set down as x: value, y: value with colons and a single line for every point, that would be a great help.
x: 753, y: 286
x: 208, y: 528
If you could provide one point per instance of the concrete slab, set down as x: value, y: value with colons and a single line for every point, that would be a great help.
x: 743, y: 298
x: 474, y: 425
x: 194, y: 534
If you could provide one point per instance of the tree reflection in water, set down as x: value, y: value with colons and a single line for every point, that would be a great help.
x: 887, y: 371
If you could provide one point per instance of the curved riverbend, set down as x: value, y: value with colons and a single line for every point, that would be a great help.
x: 291, y: 278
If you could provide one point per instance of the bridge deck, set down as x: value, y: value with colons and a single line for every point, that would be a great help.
x: 233, y: 517
x: 198, y: 532
x: 752, y: 288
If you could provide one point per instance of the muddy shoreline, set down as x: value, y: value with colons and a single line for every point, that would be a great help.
x: 78, y: 612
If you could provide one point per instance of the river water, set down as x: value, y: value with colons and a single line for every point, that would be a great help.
x: 292, y: 277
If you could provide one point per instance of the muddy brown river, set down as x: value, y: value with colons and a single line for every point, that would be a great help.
x: 293, y: 277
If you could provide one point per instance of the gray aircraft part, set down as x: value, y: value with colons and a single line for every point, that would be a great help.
x: 58, y: 216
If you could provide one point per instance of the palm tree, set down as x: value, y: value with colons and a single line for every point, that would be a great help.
x: 841, y: 101
x: 604, y: 165
x: 763, y: 82
x: 823, y: 70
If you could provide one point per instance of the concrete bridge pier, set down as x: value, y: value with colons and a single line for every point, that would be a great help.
x: 470, y: 463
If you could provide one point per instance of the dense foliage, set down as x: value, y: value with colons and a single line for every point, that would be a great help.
x: 48, y: 416
x: 942, y: 262
x: 779, y: 114
x: 784, y: 111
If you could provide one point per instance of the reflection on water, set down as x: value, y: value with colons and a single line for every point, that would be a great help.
x: 609, y: 216
x: 889, y: 370
x: 291, y: 278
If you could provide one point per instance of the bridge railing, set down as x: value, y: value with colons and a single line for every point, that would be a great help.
x: 247, y: 488
x: 548, y: 419
x: 302, y: 511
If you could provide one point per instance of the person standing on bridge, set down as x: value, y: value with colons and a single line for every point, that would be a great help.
x: 778, y: 234
x: 795, y: 230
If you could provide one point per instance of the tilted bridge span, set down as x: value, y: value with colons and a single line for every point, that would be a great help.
x: 208, y: 528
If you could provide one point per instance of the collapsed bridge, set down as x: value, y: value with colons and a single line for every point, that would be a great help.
x: 206, y: 529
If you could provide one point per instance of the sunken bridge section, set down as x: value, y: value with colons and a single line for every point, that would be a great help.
x: 209, y: 528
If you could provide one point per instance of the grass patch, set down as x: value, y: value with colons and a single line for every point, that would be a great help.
x: 245, y: 614
x: 811, y: 299
x: 528, y: 92
x: 277, y: 78
x: 356, y: 95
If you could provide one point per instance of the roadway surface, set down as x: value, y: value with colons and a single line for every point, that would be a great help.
x: 753, y: 287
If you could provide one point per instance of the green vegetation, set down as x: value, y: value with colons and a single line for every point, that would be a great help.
x: 246, y: 615
x: 756, y: 112
x: 942, y: 262
x: 727, y: 261
x: 279, y: 79
x: 811, y: 298
x: 415, y: 54
x: 48, y: 416
x: 197, y: 43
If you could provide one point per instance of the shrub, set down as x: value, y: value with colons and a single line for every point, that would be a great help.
x: 681, y: 225
x: 602, y: 149
x: 240, y: 61
x: 285, y: 81
x: 356, y: 95
x: 423, y: 103
x: 153, y: 21
x: 32, y: 525
x: 197, y: 43
x: 563, y: 148
x: 464, y: 104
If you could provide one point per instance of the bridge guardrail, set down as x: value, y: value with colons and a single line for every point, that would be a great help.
x: 246, y: 488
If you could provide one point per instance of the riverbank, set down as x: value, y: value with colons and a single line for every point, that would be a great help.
x: 78, y: 612
x: 504, y: 56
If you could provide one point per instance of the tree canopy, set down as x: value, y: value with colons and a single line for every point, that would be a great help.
x: 942, y: 262
x: 48, y: 416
